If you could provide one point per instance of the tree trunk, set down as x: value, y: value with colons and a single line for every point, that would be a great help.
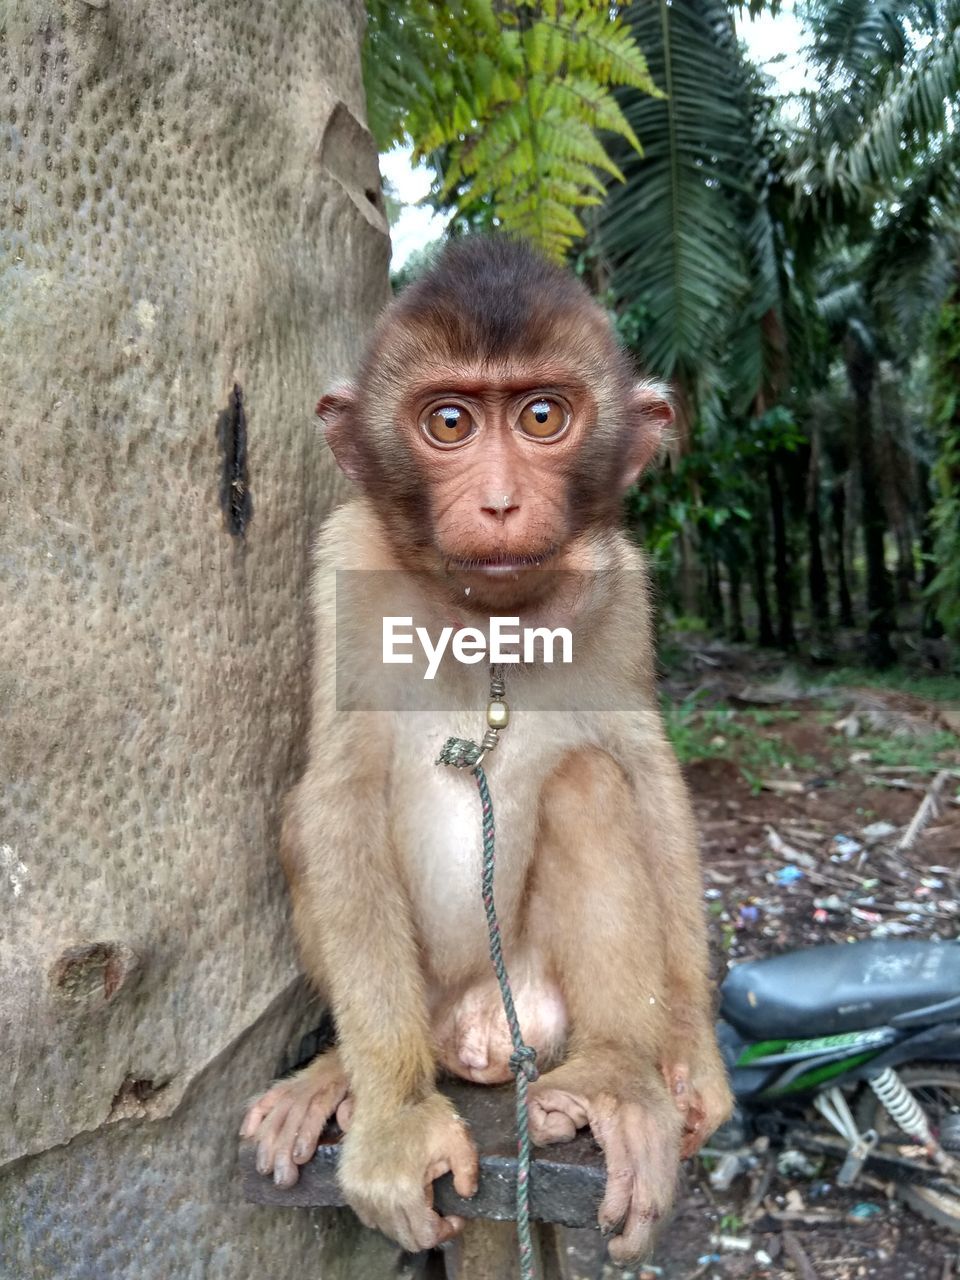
x: 758, y: 549
x: 196, y: 251
x: 737, y: 631
x: 838, y: 505
x: 816, y: 572
x: 783, y: 585
x: 931, y: 628
x: 689, y: 575
x: 714, y: 594
x: 861, y: 370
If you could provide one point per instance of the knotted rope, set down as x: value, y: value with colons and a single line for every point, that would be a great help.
x: 463, y: 754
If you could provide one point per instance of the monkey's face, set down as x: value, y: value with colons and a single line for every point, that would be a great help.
x: 494, y: 451
x: 498, y: 473
x: 495, y: 423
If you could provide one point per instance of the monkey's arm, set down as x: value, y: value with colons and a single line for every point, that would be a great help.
x: 356, y: 937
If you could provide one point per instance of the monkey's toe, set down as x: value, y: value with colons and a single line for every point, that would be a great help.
x: 640, y: 1142
x: 555, y: 1116
x: 286, y: 1123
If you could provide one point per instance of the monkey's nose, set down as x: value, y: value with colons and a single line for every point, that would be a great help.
x: 499, y: 505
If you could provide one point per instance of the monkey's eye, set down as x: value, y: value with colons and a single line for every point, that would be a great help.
x: 543, y: 419
x: 448, y: 424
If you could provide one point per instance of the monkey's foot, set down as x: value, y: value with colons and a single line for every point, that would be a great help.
x: 636, y: 1124
x: 287, y: 1121
x: 703, y: 1099
x: 390, y: 1160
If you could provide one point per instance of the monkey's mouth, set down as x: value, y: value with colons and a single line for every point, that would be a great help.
x: 502, y: 566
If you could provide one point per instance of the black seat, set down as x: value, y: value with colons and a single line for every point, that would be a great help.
x: 848, y: 987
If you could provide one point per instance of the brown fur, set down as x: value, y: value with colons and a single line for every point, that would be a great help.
x: 598, y: 883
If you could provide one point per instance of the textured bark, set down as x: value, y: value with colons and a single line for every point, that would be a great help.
x: 737, y: 631
x: 838, y: 511
x: 931, y: 628
x: 861, y: 371
x: 782, y: 577
x: 192, y: 248
x: 758, y: 549
x: 816, y: 570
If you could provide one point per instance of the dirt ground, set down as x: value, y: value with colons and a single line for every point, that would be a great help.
x: 779, y: 768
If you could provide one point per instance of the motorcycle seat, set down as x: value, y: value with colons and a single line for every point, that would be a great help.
x: 845, y: 987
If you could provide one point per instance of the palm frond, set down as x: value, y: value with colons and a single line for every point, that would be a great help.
x: 686, y: 234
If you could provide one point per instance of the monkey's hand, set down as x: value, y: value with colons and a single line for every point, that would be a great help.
x: 287, y: 1121
x: 389, y: 1162
x: 635, y: 1122
x: 702, y: 1096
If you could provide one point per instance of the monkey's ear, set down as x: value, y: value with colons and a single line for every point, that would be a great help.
x: 337, y: 409
x: 651, y: 413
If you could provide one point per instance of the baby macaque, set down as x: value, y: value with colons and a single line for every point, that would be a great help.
x: 492, y: 430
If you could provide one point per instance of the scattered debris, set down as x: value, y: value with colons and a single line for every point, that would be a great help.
x: 929, y: 808
x: 775, y: 880
x: 892, y: 929
x: 864, y: 1210
x: 785, y: 786
x: 796, y: 1164
x: 786, y: 851
x: 878, y: 831
x: 844, y: 848
x: 789, y: 875
x: 732, y: 1244
x: 795, y: 1251
x: 787, y: 689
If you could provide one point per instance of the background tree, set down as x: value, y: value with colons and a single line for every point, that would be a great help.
x: 508, y: 101
x: 176, y: 290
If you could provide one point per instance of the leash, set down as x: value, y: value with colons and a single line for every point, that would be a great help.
x: 461, y: 753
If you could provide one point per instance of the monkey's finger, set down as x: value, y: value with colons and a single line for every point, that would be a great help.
x: 321, y: 1108
x: 559, y: 1101
x: 465, y: 1166
x: 634, y: 1241
x: 345, y: 1113
x: 259, y: 1110
x: 397, y: 1225
x: 424, y: 1226
x: 285, y: 1173
x: 548, y: 1125
x: 450, y: 1226
x: 266, y: 1136
x: 616, y: 1197
x: 694, y: 1133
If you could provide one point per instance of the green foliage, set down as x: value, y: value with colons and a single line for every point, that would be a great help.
x: 946, y: 515
x: 723, y: 732
x: 939, y: 688
x: 715, y: 488
x: 507, y: 101
x: 889, y: 88
x: 926, y: 751
x: 688, y: 235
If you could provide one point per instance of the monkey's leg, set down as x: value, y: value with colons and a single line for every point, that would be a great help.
x: 691, y: 1060
x: 594, y: 910
x: 288, y: 1119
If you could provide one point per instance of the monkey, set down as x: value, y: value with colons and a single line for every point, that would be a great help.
x: 492, y: 431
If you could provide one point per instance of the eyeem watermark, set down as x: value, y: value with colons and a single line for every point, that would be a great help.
x: 507, y: 642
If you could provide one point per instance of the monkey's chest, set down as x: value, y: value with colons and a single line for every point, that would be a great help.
x: 436, y: 830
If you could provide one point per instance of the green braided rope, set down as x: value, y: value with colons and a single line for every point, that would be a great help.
x: 523, y: 1061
